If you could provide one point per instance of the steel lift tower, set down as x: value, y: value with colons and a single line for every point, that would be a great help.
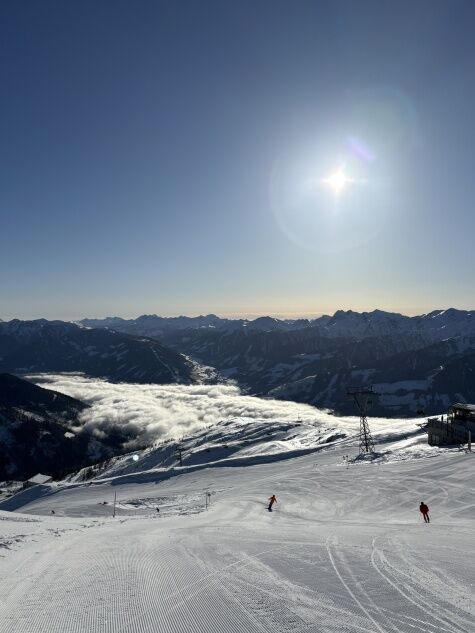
x: 363, y: 398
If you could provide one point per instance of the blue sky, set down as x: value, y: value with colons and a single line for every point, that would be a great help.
x: 172, y: 157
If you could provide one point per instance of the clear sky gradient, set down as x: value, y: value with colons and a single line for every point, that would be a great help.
x: 172, y: 157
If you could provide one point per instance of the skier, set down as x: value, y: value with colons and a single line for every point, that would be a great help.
x: 425, y: 512
x: 272, y: 500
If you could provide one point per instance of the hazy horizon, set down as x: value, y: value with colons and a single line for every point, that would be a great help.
x: 233, y: 315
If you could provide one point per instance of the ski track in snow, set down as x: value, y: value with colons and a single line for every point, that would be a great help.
x: 345, y: 550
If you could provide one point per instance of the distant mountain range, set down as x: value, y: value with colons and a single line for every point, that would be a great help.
x: 417, y: 364
x: 436, y: 324
x: 57, y: 346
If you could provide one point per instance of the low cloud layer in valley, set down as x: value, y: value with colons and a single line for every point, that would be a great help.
x: 147, y: 413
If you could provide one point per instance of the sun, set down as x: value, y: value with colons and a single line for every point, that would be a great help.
x: 337, y: 181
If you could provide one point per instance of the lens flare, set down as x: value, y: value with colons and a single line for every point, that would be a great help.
x: 337, y: 181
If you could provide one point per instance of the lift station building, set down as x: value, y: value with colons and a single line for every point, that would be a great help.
x: 457, y: 428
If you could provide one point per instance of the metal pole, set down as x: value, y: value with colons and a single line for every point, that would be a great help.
x: 115, y: 500
x: 469, y: 441
x: 361, y: 397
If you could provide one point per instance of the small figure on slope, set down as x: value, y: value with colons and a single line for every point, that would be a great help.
x: 272, y: 500
x: 425, y: 512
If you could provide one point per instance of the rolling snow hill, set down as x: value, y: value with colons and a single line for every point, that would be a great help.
x: 345, y: 548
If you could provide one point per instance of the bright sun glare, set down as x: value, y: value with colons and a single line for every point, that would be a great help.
x: 337, y: 181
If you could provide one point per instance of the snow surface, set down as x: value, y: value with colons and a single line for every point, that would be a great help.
x: 345, y: 549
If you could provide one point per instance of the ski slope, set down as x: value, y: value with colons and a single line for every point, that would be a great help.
x: 345, y: 550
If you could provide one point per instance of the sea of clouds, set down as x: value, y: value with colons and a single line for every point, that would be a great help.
x: 147, y: 413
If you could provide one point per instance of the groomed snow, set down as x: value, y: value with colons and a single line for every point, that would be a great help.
x: 345, y: 549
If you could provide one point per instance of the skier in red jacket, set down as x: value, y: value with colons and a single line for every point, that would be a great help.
x: 425, y: 512
x: 272, y: 500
